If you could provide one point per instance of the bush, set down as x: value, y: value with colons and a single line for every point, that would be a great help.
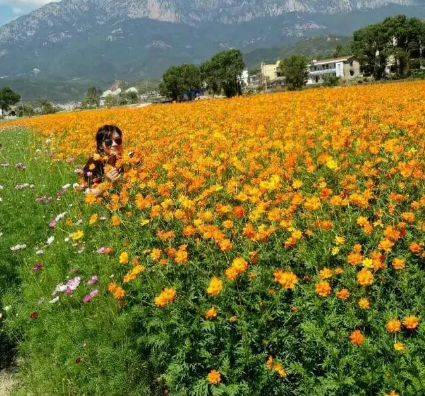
x: 330, y: 81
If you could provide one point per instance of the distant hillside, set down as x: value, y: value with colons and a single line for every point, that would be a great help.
x: 107, y: 40
x: 65, y: 91
x: 316, y: 47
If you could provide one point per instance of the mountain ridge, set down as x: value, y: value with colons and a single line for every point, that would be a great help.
x: 103, y: 40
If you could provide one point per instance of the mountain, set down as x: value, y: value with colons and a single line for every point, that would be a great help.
x: 104, y: 40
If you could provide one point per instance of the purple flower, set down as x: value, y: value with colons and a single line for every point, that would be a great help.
x: 38, y: 267
x: 52, y: 224
x: 93, y: 280
x: 72, y: 284
x: 89, y: 296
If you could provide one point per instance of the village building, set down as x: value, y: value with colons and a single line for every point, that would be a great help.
x: 271, y: 75
x: 346, y: 68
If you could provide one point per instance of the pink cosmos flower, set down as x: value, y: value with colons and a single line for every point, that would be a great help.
x: 89, y: 296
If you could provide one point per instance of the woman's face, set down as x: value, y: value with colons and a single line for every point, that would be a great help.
x: 112, y: 145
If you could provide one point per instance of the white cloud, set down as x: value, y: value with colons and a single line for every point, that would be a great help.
x: 17, y: 10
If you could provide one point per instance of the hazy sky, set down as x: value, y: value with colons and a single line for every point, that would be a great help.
x: 12, y: 9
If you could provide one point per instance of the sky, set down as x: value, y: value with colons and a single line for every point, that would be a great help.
x: 12, y: 9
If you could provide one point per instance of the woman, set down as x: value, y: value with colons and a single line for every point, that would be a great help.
x: 108, y: 152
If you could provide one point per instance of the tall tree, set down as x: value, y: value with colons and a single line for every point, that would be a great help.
x: 405, y: 38
x: 295, y: 71
x: 92, y: 98
x: 8, y: 98
x: 181, y: 80
x: 228, y: 67
x: 370, y: 46
x: 210, y: 77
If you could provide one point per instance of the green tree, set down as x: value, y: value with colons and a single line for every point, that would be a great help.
x: 132, y: 97
x: 92, y: 98
x: 180, y: 80
x: 46, y: 107
x: 295, y: 71
x: 26, y: 110
x: 228, y: 66
x: 405, y: 37
x: 8, y: 98
x: 370, y: 46
x: 210, y: 77
x: 343, y: 50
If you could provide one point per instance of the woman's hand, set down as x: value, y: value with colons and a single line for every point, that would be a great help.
x: 113, y: 175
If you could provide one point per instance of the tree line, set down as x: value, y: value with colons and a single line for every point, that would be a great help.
x: 219, y: 75
x: 396, y: 44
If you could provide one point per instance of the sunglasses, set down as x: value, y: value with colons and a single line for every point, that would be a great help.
x: 108, y: 142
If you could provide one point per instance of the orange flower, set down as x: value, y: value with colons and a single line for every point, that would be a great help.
x: 90, y: 199
x: 240, y: 265
x: 279, y: 369
x: 393, y: 326
x: 116, y: 221
x: 211, y: 313
x: 357, y: 337
x: 392, y: 393
x: 365, y: 277
x: 166, y: 296
x: 214, y: 377
x: 398, y: 263
x: 323, y: 289
x: 287, y: 279
x: 119, y: 293
x: 343, y: 294
x: 215, y: 287
x: 415, y: 247
x: 181, y: 257
x: 411, y: 322
x: 238, y: 211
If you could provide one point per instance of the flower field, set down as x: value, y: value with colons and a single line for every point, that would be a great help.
x: 265, y: 245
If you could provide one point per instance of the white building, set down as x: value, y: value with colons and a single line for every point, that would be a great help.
x: 245, y: 78
x: 345, y: 67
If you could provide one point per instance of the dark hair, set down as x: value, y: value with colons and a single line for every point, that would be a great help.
x: 105, y: 132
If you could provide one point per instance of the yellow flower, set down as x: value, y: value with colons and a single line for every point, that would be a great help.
x: 93, y: 219
x: 339, y: 240
x: 144, y: 222
x: 215, y: 287
x: 124, y: 258
x: 332, y: 164
x: 364, y: 303
x: 77, y: 235
x: 335, y: 251
x: 399, y: 346
x: 367, y: 263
